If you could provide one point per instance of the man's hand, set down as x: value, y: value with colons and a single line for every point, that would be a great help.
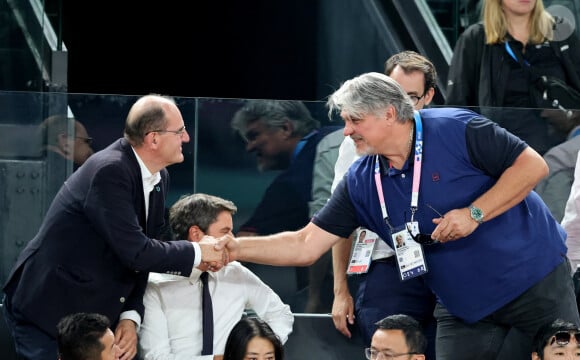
x: 343, y: 312
x: 213, y: 258
x: 126, y: 339
x: 231, y: 245
x: 454, y: 225
x: 218, y: 357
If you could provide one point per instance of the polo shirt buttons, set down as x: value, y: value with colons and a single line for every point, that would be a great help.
x: 122, y: 299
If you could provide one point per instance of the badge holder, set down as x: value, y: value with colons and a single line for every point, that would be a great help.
x: 362, y: 251
x: 410, y: 257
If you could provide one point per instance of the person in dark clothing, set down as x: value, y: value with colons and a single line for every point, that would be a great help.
x: 484, y: 73
x: 284, y: 136
x: 98, y: 240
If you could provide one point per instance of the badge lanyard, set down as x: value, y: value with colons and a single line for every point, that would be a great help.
x: 409, y: 254
x: 418, y: 158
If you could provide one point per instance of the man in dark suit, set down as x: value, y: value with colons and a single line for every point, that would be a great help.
x: 97, y: 243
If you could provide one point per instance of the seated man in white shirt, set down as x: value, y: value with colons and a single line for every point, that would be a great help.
x: 172, y: 325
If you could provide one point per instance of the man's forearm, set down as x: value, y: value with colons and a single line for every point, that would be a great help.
x: 290, y: 248
x: 340, y: 255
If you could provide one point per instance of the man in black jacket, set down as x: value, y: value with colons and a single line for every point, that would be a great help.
x: 97, y: 243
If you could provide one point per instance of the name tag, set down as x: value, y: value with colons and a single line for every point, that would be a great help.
x: 362, y: 251
x: 410, y: 257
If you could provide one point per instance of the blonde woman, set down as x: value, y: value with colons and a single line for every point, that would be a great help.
x: 486, y: 70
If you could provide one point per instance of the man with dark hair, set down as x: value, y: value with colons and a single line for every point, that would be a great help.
x: 86, y: 336
x: 397, y: 335
x: 172, y: 325
x: 556, y: 340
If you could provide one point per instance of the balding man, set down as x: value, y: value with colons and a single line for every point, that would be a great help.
x: 97, y: 243
x: 63, y: 148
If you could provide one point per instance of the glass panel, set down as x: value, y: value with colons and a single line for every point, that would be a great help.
x: 31, y: 171
x: 43, y: 136
x: 274, y: 199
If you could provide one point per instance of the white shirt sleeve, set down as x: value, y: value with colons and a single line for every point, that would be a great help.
x: 172, y: 326
x: 197, y: 259
x: 154, y: 337
x: 131, y: 315
x: 346, y: 156
x: 571, y: 220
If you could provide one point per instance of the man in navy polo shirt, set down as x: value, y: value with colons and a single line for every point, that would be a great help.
x: 459, y: 189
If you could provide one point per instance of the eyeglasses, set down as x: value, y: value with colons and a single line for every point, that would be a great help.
x: 87, y: 140
x: 562, y: 338
x: 373, y: 354
x: 424, y: 239
x: 415, y: 99
x: 178, y: 132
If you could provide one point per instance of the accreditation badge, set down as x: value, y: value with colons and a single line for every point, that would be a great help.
x: 410, y: 257
x: 362, y: 251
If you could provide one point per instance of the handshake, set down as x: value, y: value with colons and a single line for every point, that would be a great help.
x: 217, y: 252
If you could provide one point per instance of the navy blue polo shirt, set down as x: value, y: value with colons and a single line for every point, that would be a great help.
x: 464, y: 154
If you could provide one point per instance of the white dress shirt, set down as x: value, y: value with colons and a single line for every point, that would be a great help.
x: 149, y: 181
x: 571, y: 220
x: 172, y: 326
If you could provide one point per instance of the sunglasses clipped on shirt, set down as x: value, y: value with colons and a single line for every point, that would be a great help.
x: 424, y: 239
x: 563, y: 338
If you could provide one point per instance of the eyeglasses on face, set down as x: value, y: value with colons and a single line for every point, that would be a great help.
x: 178, y: 132
x: 562, y: 338
x: 415, y: 99
x: 373, y: 354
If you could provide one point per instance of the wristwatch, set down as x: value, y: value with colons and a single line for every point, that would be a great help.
x: 476, y: 213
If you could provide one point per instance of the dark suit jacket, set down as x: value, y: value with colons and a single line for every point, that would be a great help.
x: 94, y: 249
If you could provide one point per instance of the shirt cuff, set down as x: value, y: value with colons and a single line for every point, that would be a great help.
x: 133, y: 316
x: 197, y: 249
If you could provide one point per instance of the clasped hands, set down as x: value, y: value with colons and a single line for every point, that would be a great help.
x: 217, y: 252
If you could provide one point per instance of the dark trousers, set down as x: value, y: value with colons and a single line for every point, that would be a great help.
x: 382, y: 293
x: 507, y: 333
x: 30, y: 342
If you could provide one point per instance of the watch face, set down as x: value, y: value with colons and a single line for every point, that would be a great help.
x: 476, y: 213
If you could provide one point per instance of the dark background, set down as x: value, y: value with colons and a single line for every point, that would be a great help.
x: 225, y: 49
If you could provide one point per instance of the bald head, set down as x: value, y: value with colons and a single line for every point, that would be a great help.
x: 147, y: 114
